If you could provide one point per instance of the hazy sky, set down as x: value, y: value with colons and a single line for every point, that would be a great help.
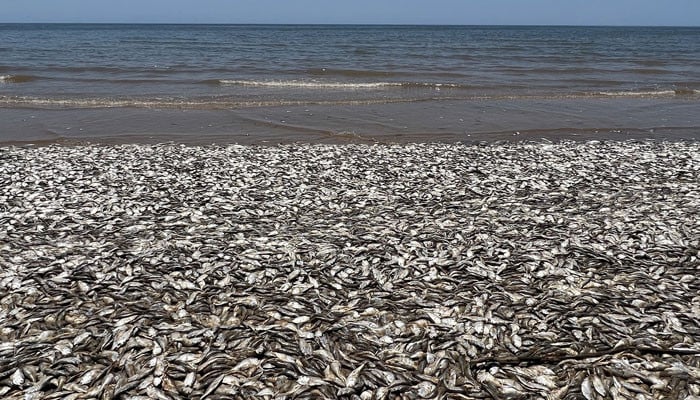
x: 546, y: 12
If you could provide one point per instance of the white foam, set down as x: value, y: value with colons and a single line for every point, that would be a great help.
x: 16, y: 78
x: 27, y: 101
x: 650, y: 93
x: 79, y: 103
x: 310, y: 84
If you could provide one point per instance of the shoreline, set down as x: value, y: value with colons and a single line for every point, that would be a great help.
x: 342, y: 139
x: 511, y: 269
x: 439, y: 121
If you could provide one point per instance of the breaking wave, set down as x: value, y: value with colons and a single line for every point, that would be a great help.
x: 17, y: 78
x: 652, y: 93
x: 334, y: 85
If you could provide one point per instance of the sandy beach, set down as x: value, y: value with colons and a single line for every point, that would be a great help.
x: 520, y: 270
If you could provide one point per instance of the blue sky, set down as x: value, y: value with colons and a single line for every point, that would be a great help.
x: 527, y: 12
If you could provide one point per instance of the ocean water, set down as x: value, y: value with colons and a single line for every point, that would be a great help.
x: 286, y: 83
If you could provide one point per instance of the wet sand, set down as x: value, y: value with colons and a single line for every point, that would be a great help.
x: 467, y: 121
x: 361, y: 271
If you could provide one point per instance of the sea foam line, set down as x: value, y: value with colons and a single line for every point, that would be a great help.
x: 24, y: 101
x: 200, y: 103
x: 652, y: 93
x: 310, y: 85
x: 336, y: 85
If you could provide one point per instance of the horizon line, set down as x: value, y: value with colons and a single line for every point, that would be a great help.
x: 346, y: 24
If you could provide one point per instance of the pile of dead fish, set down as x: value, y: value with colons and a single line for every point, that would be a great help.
x: 510, y: 271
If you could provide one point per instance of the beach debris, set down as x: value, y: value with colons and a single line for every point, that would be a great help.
x: 516, y: 270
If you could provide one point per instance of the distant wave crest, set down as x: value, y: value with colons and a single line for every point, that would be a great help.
x: 334, y: 85
x: 309, y: 84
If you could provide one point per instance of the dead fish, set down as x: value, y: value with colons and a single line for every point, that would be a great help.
x: 370, y: 271
x: 17, y: 378
x: 352, y: 379
x: 587, y: 389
